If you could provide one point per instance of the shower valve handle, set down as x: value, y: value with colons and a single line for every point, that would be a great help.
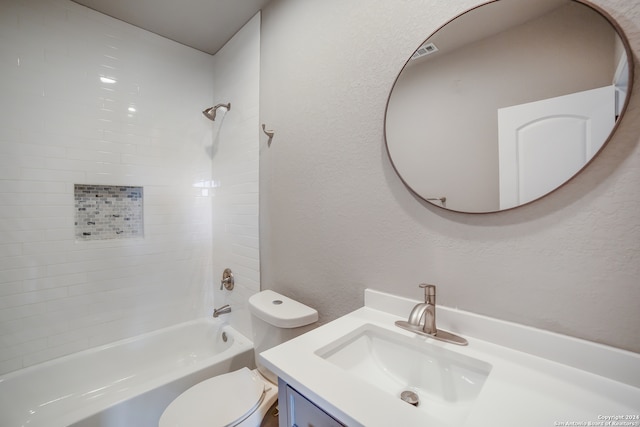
x: 227, y: 281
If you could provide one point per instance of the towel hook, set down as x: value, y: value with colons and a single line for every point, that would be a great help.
x: 269, y: 133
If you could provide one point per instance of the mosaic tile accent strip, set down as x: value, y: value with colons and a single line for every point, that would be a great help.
x: 108, y: 212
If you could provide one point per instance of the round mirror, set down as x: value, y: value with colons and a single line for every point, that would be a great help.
x: 507, y: 102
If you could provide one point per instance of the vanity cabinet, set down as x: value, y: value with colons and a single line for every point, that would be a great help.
x: 298, y: 411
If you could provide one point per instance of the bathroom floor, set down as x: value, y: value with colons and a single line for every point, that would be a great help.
x: 271, y: 419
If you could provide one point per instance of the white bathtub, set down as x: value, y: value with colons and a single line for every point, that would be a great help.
x: 127, y: 383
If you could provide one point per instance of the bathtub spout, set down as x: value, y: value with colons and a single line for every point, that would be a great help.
x: 222, y: 310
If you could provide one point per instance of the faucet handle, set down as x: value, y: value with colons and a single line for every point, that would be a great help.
x: 429, y: 292
x: 227, y: 280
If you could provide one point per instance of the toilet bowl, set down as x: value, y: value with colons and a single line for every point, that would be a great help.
x: 243, y: 397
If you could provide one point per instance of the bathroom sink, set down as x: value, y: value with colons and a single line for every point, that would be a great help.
x: 356, y: 367
x: 444, y: 383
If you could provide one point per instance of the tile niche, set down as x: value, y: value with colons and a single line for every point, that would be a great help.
x: 106, y: 212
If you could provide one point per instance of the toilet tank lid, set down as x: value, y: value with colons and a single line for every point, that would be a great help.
x: 281, y: 311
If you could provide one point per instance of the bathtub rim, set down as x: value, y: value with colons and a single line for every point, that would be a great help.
x: 224, y: 326
x: 75, y: 414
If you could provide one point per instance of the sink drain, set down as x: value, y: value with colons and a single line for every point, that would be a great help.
x: 410, y: 397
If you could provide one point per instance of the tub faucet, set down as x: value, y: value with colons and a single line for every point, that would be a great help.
x: 222, y: 310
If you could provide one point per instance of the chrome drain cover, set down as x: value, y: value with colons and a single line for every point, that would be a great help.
x: 410, y: 397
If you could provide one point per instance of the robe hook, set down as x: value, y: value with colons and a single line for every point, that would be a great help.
x: 269, y: 133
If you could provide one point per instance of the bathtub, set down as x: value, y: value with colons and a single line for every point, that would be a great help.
x: 127, y: 383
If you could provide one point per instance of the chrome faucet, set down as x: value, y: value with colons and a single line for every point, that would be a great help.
x: 222, y: 310
x: 427, y: 310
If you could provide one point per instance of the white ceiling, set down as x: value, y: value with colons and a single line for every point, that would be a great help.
x: 205, y: 25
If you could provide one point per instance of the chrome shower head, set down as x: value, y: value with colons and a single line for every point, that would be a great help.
x: 210, y: 112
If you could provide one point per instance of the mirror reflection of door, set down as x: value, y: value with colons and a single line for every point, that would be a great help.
x: 441, y: 128
x: 544, y: 143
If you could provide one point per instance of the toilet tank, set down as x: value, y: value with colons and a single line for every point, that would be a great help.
x: 275, y: 319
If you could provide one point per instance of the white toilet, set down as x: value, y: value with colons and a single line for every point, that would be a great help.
x: 243, y: 397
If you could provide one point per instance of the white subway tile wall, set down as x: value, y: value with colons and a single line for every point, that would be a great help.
x: 235, y: 169
x: 87, y: 99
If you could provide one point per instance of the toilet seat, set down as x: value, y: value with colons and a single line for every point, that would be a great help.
x: 225, y: 400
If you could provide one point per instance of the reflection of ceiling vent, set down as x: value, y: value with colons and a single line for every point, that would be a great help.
x: 424, y: 50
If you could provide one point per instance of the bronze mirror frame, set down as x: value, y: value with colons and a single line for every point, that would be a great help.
x: 440, y: 200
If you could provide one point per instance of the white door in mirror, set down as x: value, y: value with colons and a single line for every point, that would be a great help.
x: 544, y: 143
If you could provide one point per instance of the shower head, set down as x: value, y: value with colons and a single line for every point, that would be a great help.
x: 210, y: 112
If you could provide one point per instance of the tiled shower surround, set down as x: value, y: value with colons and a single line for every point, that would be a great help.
x: 108, y: 212
x: 61, y: 125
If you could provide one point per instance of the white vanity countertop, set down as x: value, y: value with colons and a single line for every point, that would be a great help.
x: 537, y: 378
